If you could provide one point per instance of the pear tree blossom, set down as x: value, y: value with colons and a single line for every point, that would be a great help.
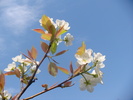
x: 17, y: 58
x: 26, y: 66
x: 86, y: 83
x: 68, y: 39
x: 11, y: 67
x: 84, y: 58
x: 62, y: 23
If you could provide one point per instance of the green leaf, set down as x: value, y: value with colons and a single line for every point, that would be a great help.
x: 47, y: 24
x: 60, y: 53
x: 44, y: 46
x: 2, y: 81
x: 46, y: 36
x: 53, y: 47
x: 63, y: 70
x: 52, y: 68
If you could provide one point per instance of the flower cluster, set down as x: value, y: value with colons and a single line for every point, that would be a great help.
x: 22, y: 65
x: 91, y: 74
x: 58, y: 24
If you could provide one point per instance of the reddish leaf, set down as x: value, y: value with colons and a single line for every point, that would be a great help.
x: 30, y: 55
x: 60, y: 31
x: 68, y: 84
x: 2, y: 81
x: 10, y: 73
x: 44, y: 46
x: 71, y: 68
x: 60, y: 53
x: 78, y: 70
x: 39, y: 31
x: 34, y: 52
x: 17, y: 73
x: 26, y: 56
x: 63, y: 70
x: 52, y: 68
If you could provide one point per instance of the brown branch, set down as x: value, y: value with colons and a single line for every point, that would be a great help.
x: 56, y: 86
x: 51, y: 88
x: 33, y: 75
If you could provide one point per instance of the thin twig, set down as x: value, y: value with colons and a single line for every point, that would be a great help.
x: 33, y: 75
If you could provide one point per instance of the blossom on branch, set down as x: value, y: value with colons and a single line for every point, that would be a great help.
x: 6, y: 95
x: 62, y: 23
x: 11, y: 67
x: 68, y: 39
x: 17, y: 58
x: 89, y: 81
x: 85, y: 58
x: 99, y: 58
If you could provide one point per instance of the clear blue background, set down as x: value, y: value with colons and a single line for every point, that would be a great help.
x: 106, y: 26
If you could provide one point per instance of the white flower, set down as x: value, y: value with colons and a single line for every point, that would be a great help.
x: 10, y: 67
x: 61, y: 23
x: 33, y: 68
x: 100, y: 65
x: 18, y: 59
x: 98, y: 75
x: 85, y: 58
x: 89, y: 81
x: 98, y: 57
x: 87, y: 84
x: 68, y: 39
x: 7, y: 95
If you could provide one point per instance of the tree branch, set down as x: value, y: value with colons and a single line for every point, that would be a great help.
x: 33, y: 75
x: 51, y: 88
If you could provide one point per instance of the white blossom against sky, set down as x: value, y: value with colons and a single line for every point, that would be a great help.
x: 106, y: 26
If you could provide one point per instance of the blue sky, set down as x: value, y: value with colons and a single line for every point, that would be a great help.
x: 106, y: 26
